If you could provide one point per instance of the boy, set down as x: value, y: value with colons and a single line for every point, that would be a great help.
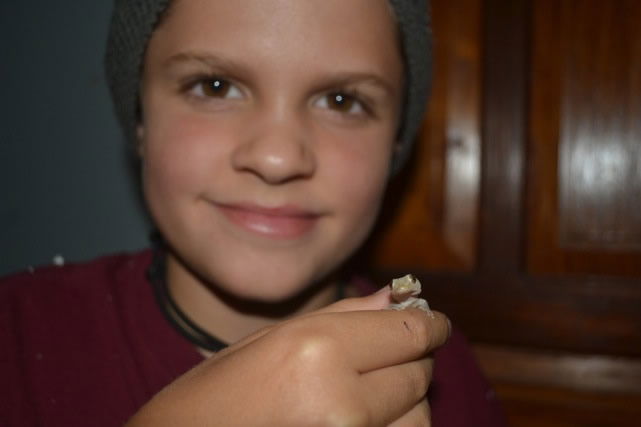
x: 267, y: 131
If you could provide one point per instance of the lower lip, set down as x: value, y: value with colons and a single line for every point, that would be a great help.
x: 279, y: 226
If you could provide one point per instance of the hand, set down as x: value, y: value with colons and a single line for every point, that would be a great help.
x: 349, y: 364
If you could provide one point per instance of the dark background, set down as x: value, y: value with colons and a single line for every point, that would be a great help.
x: 65, y: 182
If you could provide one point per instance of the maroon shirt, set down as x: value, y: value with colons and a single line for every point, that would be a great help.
x: 86, y: 344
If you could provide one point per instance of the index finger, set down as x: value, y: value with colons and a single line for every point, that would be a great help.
x: 371, y: 340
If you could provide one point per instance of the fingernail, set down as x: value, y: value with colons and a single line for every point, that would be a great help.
x: 449, y: 327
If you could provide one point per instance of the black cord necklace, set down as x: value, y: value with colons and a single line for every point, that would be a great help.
x: 176, y: 317
x: 172, y: 312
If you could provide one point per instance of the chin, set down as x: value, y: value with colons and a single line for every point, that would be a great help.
x: 262, y: 287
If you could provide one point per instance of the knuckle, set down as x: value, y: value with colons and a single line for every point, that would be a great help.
x: 307, y: 346
x: 312, y: 349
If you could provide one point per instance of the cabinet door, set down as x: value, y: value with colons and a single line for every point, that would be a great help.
x: 522, y: 209
x: 585, y: 139
x: 521, y: 212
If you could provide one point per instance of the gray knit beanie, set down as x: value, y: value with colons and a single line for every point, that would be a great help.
x: 134, y: 20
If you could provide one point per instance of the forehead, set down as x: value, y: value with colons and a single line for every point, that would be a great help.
x: 303, y: 33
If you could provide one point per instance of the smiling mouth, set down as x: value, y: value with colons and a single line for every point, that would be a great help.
x: 284, y: 222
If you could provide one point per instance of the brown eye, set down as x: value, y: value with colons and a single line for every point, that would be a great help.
x: 341, y: 102
x: 214, y: 88
x: 217, y: 88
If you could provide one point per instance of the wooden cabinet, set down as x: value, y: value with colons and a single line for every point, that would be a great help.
x: 521, y: 211
x: 585, y: 139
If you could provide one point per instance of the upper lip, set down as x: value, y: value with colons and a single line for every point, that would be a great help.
x: 286, y: 210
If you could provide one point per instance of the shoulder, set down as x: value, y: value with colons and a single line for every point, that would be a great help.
x: 59, y: 321
x: 52, y: 303
x: 57, y: 281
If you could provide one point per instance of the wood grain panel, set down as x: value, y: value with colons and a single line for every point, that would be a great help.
x: 562, y: 389
x: 505, y: 38
x: 600, y: 136
x: 434, y: 223
x: 595, y: 315
x: 532, y: 406
x: 584, y: 181
x: 579, y: 372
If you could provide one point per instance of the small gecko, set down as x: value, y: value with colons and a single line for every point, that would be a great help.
x: 404, y: 292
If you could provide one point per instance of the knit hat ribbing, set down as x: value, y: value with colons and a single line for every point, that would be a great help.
x: 133, y: 21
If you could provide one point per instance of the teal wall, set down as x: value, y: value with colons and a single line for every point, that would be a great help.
x: 67, y: 184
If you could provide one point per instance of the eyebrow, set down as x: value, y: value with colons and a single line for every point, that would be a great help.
x: 349, y: 78
x: 203, y: 58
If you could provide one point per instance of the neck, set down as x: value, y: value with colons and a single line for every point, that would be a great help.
x: 229, y: 318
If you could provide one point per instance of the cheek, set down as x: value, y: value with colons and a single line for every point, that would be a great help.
x: 180, y: 155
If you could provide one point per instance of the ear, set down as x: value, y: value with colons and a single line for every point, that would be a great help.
x: 140, y: 140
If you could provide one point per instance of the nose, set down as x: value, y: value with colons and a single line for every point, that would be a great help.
x: 277, y: 149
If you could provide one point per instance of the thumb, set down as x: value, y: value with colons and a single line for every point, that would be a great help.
x: 376, y: 301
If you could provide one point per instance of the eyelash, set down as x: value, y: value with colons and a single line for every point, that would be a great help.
x: 349, y: 96
x: 352, y: 97
x: 203, y: 83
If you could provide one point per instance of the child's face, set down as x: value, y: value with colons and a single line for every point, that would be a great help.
x: 260, y: 176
